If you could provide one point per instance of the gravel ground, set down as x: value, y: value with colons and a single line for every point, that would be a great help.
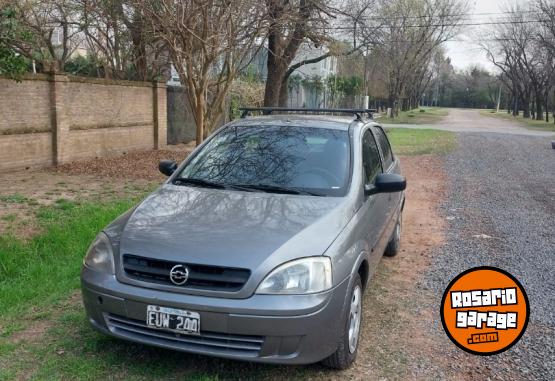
x: 503, y: 187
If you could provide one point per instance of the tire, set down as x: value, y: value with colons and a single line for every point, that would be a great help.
x: 394, y: 246
x: 346, y: 352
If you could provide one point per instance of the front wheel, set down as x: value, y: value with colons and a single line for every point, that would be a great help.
x: 348, y: 342
x: 394, y: 246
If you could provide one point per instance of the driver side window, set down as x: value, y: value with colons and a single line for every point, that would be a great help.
x: 370, y: 157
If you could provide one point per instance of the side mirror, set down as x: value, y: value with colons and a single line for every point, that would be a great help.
x: 386, y: 183
x: 167, y: 167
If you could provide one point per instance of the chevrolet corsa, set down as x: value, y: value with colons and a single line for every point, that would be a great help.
x: 258, y: 247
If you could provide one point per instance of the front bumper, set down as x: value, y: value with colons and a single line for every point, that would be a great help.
x: 295, y: 329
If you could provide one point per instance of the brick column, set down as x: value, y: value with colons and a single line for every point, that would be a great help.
x: 60, y: 119
x: 160, y: 113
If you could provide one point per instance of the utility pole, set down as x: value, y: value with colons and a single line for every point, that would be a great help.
x: 366, y: 97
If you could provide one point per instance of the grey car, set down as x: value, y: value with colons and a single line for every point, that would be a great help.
x: 258, y: 247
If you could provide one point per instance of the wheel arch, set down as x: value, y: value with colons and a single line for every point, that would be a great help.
x: 364, y: 273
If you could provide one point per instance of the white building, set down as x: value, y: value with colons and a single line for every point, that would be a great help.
x: 322, y: 69
x: 309, y: 93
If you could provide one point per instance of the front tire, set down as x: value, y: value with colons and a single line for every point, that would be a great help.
x: 394, y: 246
x: 347, y: 348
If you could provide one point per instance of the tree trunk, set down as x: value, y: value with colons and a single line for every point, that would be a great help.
x: 526, y: 108
x: 139, y: 49
x: 272, y: 89
x: 547, y: 107
x: 539, y: 108
x: 199, y: 110
x: 141, y: 65
x: 391, y: 102
x: 284, y: 92
x: 282, y: 48
x: 276, y: 70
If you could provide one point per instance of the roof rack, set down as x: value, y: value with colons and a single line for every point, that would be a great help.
x: 245, y: 111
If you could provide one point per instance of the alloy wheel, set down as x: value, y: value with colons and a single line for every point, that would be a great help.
x: 354, y: 319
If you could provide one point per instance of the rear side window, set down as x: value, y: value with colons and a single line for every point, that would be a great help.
x: 370, y: 157
x: 385, y: 147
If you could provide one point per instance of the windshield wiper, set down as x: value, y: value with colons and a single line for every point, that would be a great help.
x: 248, y: 187
x: 199, y: 182
x: 277, y: 189
x: 209, y: 184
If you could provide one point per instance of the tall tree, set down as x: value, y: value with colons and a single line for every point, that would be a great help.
x: 547, y: 38
x: 50, y: 28
x: 413, y: 30
x: 290, y: 24
x: 320, y: 23
x: 209, y: 43
x: 518, y: 50
x: 119, y: 38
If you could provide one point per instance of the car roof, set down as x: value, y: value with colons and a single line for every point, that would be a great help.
x: 314, y: 121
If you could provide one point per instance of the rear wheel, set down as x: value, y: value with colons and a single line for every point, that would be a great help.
x: 394, y: 246
x: 348, y: 342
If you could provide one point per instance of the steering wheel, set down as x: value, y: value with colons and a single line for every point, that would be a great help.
x: 324, y: 173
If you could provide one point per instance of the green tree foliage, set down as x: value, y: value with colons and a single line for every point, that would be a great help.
x: 294, y: 82
x: 314, y: 83
x: 345, y: 86
x: 84, y: 66
x: 12, y: 64
x: 473, y: 88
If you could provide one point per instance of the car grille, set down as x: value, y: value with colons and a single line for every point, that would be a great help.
x: 201, y: 277
x: 208, y: 342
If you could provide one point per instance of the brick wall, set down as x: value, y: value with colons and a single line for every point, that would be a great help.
x: 54, y: 119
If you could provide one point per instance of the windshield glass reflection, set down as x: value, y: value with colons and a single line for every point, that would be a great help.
x: 315, y: 160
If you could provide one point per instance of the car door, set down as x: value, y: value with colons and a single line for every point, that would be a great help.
x: 375, y: 206
x: 389, y: 165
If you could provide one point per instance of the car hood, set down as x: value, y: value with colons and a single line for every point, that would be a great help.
x: 231, y: 228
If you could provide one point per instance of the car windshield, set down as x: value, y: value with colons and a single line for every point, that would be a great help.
x: 274, y: 159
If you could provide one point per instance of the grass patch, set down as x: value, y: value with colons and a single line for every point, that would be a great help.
x: 423, y: 115
x: 37, y: 279
x: 538, y: 125
x: 72, y: 350
x: 9, y: 218
x: 411, y: 142
x: 15, y: 198
x: 46, y: 267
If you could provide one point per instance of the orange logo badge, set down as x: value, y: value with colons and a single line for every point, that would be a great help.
x: 485, y: 311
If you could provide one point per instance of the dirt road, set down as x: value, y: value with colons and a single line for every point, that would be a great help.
x: 499, y: 210
x: 471, y: 121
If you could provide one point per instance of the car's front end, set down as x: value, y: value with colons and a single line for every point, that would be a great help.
x: 239, y: 271
x: 257, y: 248
x: 282, y: 329
x: 258, y: 284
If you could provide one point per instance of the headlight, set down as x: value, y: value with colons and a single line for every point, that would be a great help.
x: 302, y: 276
x: 100, y: 256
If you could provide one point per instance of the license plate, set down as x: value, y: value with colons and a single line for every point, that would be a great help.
x: 171, y: 319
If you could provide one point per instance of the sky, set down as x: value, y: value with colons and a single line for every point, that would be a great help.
x: 464, y: 54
